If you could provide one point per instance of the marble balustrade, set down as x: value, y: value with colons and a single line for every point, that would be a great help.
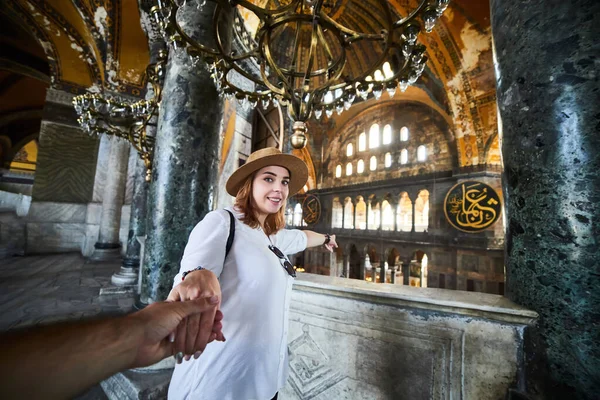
x: 357, y: 340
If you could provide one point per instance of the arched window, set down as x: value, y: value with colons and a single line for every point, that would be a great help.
x: 404, y: 213
x: 338, y: 171
x: 360, y: 167
x: 337, y: 213
x: 404, y: 157
x: 387, y: 216
x: 348, y: 169
x: 361, y: 213
x: 421, y: 153
x: 348, y: 213
x: 289, y: 216
x: 298, y: 215
x: 422, y: 211
x: 374, y: 215
x: 388, y: 160
x: 362, y: 142
x: 373, y: 163
x: 374, y: 136
x: 403, y: 134
x: 387, y: 134
x: 349, y: 150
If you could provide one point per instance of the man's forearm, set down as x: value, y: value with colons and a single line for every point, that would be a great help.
x: 63, y: 360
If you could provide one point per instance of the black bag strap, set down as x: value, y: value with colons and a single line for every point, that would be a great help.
x: 231, y: 233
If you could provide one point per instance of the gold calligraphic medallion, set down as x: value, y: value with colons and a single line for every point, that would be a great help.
x: 311, y: 209
x: 472, y: 206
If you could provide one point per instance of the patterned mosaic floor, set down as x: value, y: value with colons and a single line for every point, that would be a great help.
x: 44, y: 289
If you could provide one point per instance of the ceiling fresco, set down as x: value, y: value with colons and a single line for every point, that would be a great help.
x: 90, y: 45
x: 100, y: 45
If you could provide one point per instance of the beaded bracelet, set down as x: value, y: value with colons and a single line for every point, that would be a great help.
x: 189, y: 272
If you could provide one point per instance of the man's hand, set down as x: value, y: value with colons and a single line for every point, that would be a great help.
x: 154, y: 324
x: 195, y: 332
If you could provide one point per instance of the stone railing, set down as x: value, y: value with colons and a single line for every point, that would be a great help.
x: 352, y: 339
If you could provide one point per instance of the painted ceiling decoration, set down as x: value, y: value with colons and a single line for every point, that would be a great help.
x: 90, y: 45
x: 101, y: 45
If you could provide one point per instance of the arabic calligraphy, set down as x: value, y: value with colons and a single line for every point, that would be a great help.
x: 311, y: 209
x: 472, y: 206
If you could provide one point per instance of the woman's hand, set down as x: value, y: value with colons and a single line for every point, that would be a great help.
x: 332, y: 244
x: 197, y: 331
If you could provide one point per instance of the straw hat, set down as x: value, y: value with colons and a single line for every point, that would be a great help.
x: 268, y: 157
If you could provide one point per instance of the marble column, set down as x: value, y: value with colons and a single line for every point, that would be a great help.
x: 393, y: 274
x: 128, y: 273
x: 549, y: 105
x: 346, y: 270
x: 108, y: 246
x: 185, y: 160
x: 406, y: 272
x: 383, y: 272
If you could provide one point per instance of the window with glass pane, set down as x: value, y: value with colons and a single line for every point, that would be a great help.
x: 362, y: 142
x: 404, y: 134
x: 360, y: 167
x: 348, y: 169
x: 374, y: 136
x: 373, y: 163
x: 348, y: 213
x: 421, y: 153
x: 338, y: 171
x: 388, y: 160
x: 349, y: 150
x: 337, y: 213
x: 387, y: 134
x: 404, y: 156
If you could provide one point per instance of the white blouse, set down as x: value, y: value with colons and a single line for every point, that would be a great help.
x: 253, y: 361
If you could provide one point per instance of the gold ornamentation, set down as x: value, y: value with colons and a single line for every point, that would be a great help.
x: 100, y: 114
x: 311, y: 209
x: 301, y: 48
x: 472, y: 206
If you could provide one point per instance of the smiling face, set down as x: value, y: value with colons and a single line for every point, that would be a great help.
x: 270, y: 190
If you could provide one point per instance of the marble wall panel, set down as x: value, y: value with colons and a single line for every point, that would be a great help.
x: 57, y: 212
x: 66, y: 164
x: 54, y: 237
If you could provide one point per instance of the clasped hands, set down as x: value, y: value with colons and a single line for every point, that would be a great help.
x: 182, y: 325
x: 197, y: 330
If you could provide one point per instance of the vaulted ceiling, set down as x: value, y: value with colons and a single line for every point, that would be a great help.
x: 75, y: 45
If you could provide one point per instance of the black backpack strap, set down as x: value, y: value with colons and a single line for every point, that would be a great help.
x: 231, y: 233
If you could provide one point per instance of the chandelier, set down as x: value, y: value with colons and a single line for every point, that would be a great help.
x: 128, y: 120
x: 314, y: 57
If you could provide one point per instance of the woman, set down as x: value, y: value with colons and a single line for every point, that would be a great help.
x: 255, y: 280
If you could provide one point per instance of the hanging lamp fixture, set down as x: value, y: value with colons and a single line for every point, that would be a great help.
x: 313, y: 56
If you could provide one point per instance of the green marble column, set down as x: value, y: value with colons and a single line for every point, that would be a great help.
x: 549, y: 102
x: 185, y: 160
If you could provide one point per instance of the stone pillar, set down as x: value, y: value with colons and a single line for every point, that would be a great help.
x: 383, y: 272
x: 128, y: 274
x: 185, y: 160
x: 393, y: 274
x: 406, y: 272
x: 107, y: 247
x: 549, y: 106
x: 346, y: 270
x: 363, y: 267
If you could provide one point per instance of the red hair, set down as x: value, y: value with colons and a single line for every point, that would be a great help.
x: 245, y: 203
